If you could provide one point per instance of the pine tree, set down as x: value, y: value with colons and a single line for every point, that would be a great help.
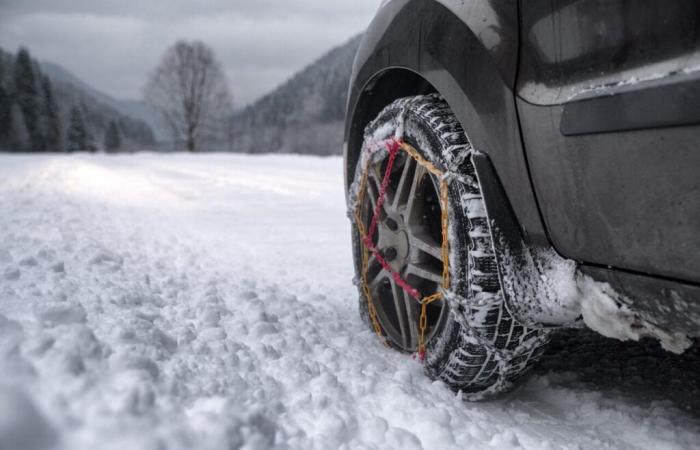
x: 19, y: 136
x: 52, y: 119
x: 76, y: 135
x: 113, y: 140
x: 5, y: 115
x: 90, y: 142
x: 28, y: 99
x: 5, y: 106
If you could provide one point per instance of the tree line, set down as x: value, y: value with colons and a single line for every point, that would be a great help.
x: 32, y: 119
x: 190, y: 92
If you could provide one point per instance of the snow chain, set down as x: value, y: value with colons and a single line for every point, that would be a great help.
x: 394, y: 146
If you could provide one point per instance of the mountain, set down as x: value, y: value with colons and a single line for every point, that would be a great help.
x: 303, y: 115
x: 78, y: 110
x: 136, y: 109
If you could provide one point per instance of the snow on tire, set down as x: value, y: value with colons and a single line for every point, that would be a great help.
x: 473, y: 344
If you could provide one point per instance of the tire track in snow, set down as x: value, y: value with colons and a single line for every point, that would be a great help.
x: 145, y: 309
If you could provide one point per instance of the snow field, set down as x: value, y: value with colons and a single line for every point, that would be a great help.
x: 180, y: 301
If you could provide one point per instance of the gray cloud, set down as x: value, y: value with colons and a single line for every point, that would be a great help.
x: 114, y: 45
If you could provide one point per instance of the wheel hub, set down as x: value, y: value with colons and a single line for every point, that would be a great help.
x: 393, y: 242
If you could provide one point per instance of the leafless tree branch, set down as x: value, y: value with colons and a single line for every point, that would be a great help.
x: 189, y: 89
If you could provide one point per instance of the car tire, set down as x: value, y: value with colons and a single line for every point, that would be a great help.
x: 472, y: 343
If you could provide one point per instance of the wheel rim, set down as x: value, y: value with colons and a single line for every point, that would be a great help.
x: 409, y: 238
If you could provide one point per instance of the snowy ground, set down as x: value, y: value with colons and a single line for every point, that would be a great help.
x: 151, y: 302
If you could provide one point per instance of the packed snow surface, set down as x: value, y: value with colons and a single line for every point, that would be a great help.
x: 184, y: 301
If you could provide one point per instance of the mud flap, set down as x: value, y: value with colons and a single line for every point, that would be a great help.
x: 522, y: 268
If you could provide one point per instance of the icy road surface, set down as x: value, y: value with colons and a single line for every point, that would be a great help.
x: 158, y: 302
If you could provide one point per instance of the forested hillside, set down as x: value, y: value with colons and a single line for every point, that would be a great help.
x: 43, y: 107
x: 305, y: 114
x: 38, y: 113
x: 134, y: 109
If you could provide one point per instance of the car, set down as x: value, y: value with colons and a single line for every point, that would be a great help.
x: 516, y: 167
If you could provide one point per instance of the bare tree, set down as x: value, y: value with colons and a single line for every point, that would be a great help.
x: 190, y: 90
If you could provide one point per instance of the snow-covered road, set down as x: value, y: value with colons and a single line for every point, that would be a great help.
x: 180, y: 301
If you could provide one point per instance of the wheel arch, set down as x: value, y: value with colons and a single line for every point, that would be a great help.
x: 379, y: 91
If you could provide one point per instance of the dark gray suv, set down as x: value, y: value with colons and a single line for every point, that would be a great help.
x: 517, y: 166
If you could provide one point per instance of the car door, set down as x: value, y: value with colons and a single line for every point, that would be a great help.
x: 608, y: 96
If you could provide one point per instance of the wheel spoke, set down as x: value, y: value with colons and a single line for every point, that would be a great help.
x: 372, y: 263
x: 405, y: 182
x: 411, y: 205
x: 406, y: 313
x: 374, y: 184
x: 376, y: 282
x: 425, y: 272
x: 424, y: 243
x: 373, y: 194
x: 375, y: 173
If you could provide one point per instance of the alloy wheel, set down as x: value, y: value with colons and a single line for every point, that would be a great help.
x: 409, y: 238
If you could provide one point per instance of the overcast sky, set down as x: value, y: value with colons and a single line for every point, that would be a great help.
x: 114, y: 44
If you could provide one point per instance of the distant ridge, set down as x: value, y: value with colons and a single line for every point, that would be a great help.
x: 303, y: 115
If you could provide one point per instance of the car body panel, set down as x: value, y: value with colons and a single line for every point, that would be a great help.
x: 469, y: 52
x: 604, y: 87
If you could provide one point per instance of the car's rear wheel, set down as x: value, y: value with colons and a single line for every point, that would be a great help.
x: 426, y: 268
